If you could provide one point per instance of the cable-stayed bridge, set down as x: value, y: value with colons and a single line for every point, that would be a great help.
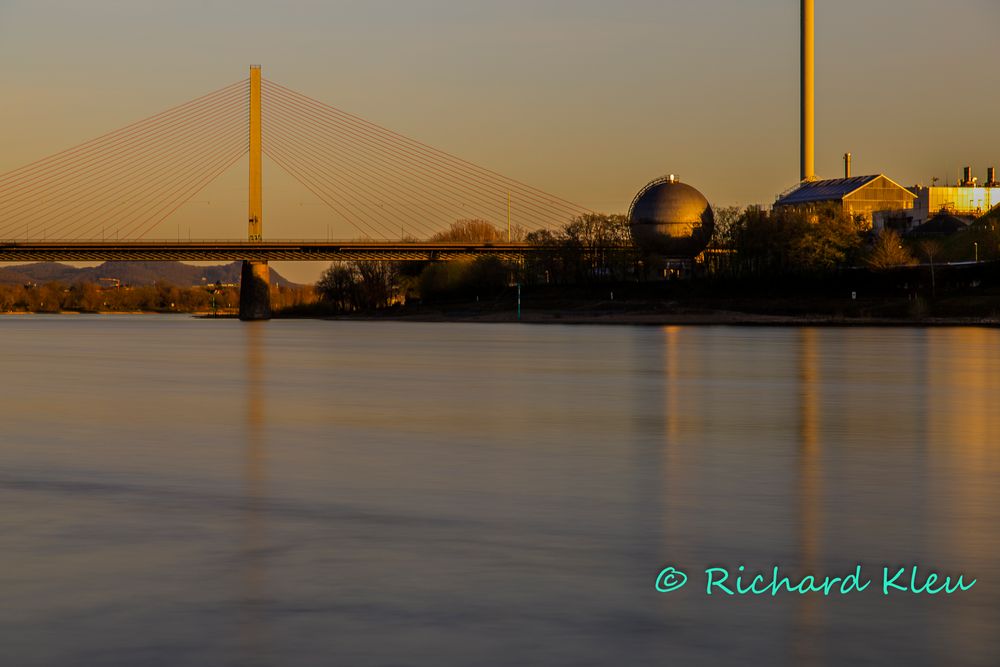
x: 105, y: 199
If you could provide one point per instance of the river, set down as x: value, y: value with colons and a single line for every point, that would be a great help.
x: 177, y: 491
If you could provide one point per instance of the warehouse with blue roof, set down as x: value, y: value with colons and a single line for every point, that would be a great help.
x: 877, y: 199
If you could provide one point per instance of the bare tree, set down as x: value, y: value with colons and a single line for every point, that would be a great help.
x: 360, y: 285
x: 889, y: 252
x: 931, y: 249
x: 338, y: 286
x: 477, y: 231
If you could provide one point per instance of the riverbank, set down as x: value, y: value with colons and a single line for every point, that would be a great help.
x: 961, y: 310
x: 711, y: 318
x: 196, y: 313
x: 979, y: 312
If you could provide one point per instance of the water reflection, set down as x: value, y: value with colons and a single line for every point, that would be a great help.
x: 963, y: 427
x: 808, y: 620
x: 254, y: 648
x: 497, y: 495
x: 672, y: 452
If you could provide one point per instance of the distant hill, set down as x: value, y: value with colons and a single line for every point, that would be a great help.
x: 14, y: 277
x: 130, y: 273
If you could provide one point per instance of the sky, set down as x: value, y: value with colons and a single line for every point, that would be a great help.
x: 585, y: 99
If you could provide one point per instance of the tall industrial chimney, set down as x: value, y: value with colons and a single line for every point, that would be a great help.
x: 847, y: 165
x: 991, y: 177
x: 808, y: 90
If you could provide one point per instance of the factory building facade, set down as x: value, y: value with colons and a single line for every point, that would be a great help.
x: 968, y: 199
x: 877, y: 199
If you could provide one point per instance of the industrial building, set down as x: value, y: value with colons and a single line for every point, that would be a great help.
x: 877, y: 199
x: 883, y: 203
x: 968, y: 199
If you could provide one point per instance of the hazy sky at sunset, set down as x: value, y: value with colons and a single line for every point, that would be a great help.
x: 586, y: 99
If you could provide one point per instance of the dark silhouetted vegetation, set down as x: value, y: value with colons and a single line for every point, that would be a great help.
x: 85, y: 297
x: 591, y: 249
x: 352, y: 286
x: 788, y: 241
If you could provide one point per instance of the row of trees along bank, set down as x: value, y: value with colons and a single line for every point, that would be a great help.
x: 825, y: 239
x: 87, y: 297
x: 752, y: 247
x: 590, y: 249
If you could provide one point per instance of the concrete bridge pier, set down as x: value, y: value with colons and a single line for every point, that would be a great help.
x: 255, y: 291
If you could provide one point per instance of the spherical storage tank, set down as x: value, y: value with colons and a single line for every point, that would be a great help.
x: 671, y: 218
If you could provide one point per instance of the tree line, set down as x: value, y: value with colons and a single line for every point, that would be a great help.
x: 825, y: 239
x: 87, y: 297
x: 596, y: 249
x: 592, y: 248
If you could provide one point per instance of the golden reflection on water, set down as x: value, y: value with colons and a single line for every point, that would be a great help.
x: 253, y: 546
x: 809, y: 617
x: 818, y: 447
x: 963, y: 427
x: 673, y: 465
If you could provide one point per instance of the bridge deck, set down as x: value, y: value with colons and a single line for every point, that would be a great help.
x: 228, y: 251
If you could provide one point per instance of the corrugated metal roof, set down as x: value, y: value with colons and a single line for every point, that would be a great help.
x: 834, y: 189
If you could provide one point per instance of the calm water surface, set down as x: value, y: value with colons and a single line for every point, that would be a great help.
x: 188, y: 492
